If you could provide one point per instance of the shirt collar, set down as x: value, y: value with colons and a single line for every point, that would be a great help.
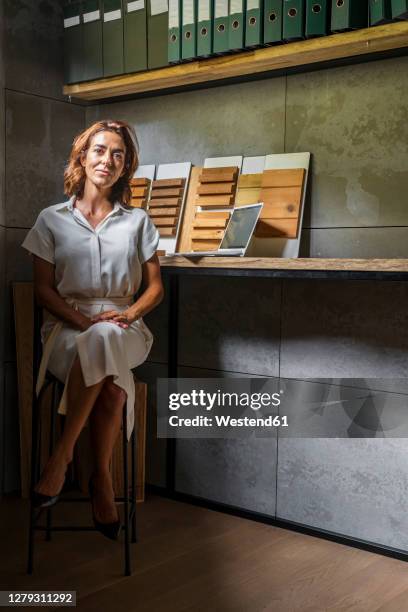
x: 69, y: 205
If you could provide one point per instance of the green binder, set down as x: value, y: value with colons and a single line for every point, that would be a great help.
x: 113, y: 56
x: 317, y: 18
x: 220, y: 26
x: 188, y: 37
x: 73, y: 43
x: 293, y: 19
x: 236, y: 25
x: 399, y: 9
x: 174, y: 39
x: 135, y: 35
x: 205, y: 15
x: 254, y: 23
x: 157, y: 33
x: 92, y: 35
x: 273, y: 18
x: 380, y: 11
x: 349, y: 15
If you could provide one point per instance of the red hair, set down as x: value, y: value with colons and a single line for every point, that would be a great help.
x: 74, y: 175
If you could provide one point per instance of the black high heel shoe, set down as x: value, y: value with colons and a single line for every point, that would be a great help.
x: 43, y: 501
x: 109, y: 530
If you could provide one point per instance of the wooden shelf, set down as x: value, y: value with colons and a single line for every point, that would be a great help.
x: 375, y: 40
x: 364, y: 269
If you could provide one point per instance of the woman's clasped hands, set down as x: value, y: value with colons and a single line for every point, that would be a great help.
x: 123, y: 319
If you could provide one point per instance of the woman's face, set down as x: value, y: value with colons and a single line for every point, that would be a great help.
x: 104, y: 161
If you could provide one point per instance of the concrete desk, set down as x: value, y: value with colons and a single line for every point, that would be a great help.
x: 369, y: 280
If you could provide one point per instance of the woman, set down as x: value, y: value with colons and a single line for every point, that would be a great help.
x: 90, y: 256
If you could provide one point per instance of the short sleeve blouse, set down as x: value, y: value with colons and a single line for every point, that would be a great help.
x: 94, y: 262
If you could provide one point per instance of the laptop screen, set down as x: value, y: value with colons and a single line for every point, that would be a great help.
x: 240, y: 227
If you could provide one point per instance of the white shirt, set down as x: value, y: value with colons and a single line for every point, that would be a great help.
x: 94, y: 262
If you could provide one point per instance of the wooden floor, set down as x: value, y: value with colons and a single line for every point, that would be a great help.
x: 190, y: 558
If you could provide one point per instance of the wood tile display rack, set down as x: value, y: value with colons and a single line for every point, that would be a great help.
x: 379, y: 40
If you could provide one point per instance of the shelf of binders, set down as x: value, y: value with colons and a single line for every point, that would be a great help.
x: 300, y: 53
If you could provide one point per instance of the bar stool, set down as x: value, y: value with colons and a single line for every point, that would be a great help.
x: 129, y: 504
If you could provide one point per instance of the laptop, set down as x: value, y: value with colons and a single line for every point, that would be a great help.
x: 237, y: 235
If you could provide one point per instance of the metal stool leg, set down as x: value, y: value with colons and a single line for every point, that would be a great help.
x: 51, y: 448
x: 126, y: 495
x: 35, y: 468
x: 134, y: 485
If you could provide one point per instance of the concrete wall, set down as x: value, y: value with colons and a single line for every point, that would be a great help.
x: 352, y: 120
x: 39, y: 127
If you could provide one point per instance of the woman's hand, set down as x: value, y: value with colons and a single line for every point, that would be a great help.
x: 123, y: 319
x: 84, y: 323
x: 152, y: 296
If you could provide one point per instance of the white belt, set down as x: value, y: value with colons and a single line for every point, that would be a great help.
x: 50, y: 340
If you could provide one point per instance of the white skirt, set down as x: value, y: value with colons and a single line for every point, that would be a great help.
x: 104, y: 349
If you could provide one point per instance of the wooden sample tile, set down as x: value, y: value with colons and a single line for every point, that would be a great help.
x: 169, y: 190
x: 140, y: 182
x: 164, y: 202
x: 204, y: 245
x: 138, y: 203
x: 164, y: 205
x: 281, y: 193
x: 186, y: 221
x: 164, y: 212
x: 202, y: 228
x: 140, y: 188
x: 217, y: 186
x: 166, y: 193
x: 280, y: 196
x: 215, y: 223
x: 215, y: 182
x: 283, y: 178
x: 139, y: 192
x: 217, y: 201
x: 166, y: 183
x: 248, y: 189
x: 216, y: 170
x: 226, y: 176
x: 248, y: 196
x: 165, y: 222
x: 207, y: 234
x: 214, y: 214
x: 250, y: 181
x: 167, y: 231
x: 277, y: 210
x: 216, y: 189
x: 277, y: 228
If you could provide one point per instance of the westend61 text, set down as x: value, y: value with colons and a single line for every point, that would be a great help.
x: 227, y: 421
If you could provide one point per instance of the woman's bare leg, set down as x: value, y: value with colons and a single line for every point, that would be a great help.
x: 105, y: 422
x: 81, y: 400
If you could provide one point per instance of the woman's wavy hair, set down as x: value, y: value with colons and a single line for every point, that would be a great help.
x: 74, y: 175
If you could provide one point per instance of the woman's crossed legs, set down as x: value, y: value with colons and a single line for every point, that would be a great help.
x: 103, y: 404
